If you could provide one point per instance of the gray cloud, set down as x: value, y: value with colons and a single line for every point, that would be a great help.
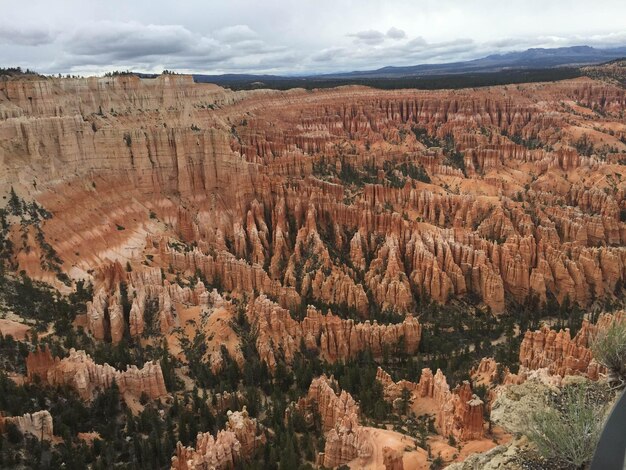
x: 395, y: 33
x: 329, y: 55
x: 128, y: 40
x: 32, y: 35
x: 132, y: 44
x: 370, y: 37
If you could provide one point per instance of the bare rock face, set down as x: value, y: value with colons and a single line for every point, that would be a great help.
x: 510, y: 409
x: 233, y: 274
x: 460, y: 412
x: 38, y: 424
x: 238, y: 441
x: 486, y: 372
x: 393, y: 390
x: 334, y: 338
x: 86, y: 377
x: 333, y: 409
x: 556, y: 350
x: 502, y: 457
x: 344, y: 445
x: 310, y: 266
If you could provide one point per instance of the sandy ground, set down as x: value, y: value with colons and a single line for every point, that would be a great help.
x: 13, y: 328
x: 19, y: 379
x: 88, y: 437
x: 187, y: 317
x: 414, y: 458
x: 216, y: 327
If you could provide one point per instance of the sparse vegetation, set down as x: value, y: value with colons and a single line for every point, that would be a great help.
x: 609, y: 348
x: 584, y: 146
x: 568, y: 430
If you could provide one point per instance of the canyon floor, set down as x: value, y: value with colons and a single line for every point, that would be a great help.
x: 198, y: 278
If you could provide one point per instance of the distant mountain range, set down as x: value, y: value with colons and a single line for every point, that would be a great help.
x: 534, y: 59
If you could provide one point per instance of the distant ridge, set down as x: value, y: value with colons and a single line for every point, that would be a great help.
x: 536, y: 58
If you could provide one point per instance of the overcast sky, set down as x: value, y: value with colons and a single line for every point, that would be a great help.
x: 281, y: 36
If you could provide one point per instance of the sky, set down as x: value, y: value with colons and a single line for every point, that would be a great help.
x: 89, y: 37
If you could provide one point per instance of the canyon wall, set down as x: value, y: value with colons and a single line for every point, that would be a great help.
x: 308, y: 196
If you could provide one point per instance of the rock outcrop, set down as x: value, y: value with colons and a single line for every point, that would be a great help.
x: 142, y: 292
x: 510, y: 410
x: 505, y: 456
x: 355, y: 202
x: 82, y: 374
x: 37, y: 424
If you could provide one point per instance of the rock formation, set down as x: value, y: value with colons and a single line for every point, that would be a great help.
x: 238, y: 441
x: 219, y: 452
x: 334, y: 338
x: 346, y: 439
x: 144, y: 290
x: 86, y: 377
x: 37, y: 424
x: 173, y: 197
x: 486, y: 372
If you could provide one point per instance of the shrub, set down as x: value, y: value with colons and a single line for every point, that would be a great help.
x: 568, y: 431
x: 13, y: 433
x: 437, y: 463
x: 609, y: 348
